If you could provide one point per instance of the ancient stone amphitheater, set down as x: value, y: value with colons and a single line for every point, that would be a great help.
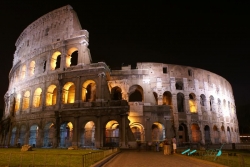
x: 58, y: 98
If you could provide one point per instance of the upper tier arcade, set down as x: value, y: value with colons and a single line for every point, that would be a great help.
x: 50, y: 31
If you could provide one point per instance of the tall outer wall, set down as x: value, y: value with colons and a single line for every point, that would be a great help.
x: 55, y: 102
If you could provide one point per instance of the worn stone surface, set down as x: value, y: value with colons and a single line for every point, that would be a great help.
x: 61, y: 99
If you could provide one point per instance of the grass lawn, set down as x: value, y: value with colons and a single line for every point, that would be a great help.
x: 45, y: 157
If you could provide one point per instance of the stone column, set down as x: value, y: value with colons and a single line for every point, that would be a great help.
x: 211, y: 134
x: 21, y: 104
x: 39, y: 139
x: 75, y: 139
x: 17, y: 135
x: 99, y: 92
x: 98, y: 133
x: 186, y: 102
x: 123, y: 129
x: 27, y: 136
x: 57, y: 130
x: 189, y: 132
x: 84, y: 56
x: 63, y: 60
x: 59, y: 100
x: 202, y: 134
x: 44, y: 95
x: 148, y: 129
x: 78, y: 91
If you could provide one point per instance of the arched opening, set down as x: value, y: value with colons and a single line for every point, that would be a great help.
x: 196, y: 133
x: 228, y: 135
x: 17, y: 102
x: 179, y: 85
x: 112, y: 134
x: 192, y: 103
x: 88, y: 135
x: 44, y: 66
x: 33, y: 135
x: 51, y: 95
x: 183, y: 133
x: 156, y: 98
x: 55, y: 60
x: 158, y: 132
x: 13, y: 137
x: 138, y: 131
x: 89, y: 91
x: 167, y: 98
x: 180, y: 102
x: 49, y: 134
x: 219, y: 106
x: 37, y: 97
x: 203, y: 100
x: 136, y: 94
x: 223, y: 135
x: 21, y: 139
x: 216, y: 135
x: 26, y: 100
x: 68, y: 93
x: 211, y: 103
x: 23, y: 72
x: 32, y: 68
x: 207, y: 134
x: 72, y: 57
x: 66, y: 134
x: 116, y: 93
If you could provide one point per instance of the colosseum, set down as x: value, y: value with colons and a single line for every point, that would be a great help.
x: 58, y: 98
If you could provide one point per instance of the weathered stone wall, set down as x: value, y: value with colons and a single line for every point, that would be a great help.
x: 53, y: 102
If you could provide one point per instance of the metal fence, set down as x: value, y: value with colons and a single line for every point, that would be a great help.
x: 24, y: 159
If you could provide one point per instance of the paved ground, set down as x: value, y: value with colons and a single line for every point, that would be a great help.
x: 132, y: 158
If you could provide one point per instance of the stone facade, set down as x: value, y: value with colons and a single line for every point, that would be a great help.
x: 58, y: 98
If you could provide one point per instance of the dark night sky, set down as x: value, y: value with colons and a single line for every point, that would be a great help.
x: 212, y: 36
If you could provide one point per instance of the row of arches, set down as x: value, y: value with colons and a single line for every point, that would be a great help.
x: 112, y: 134
x: 46, y: 137
x: 136, y: 94
x: 68, y: 95
x: 71, y: 59
x: 214, y: 135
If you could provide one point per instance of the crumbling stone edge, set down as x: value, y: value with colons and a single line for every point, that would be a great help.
x: 105, y: 160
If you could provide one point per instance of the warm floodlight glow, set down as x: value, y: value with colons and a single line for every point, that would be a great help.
x: 192, y: 106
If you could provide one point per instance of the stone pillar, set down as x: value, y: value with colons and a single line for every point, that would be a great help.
x: 57, y: 129
x: 189, y: 132
x: 78, y: 91
x: 99, y: 92
x: 148, y: 129
x: 202, y: 134
x: 27, y: 136
x: 17, y: 135
x: 84, y: 56
x: 211, y: 134
x: 98, y: 134
x: 198, y: 106
x: 59, y: 100
x: 44, y: 95
x: 123, y: 130
x: 63, y: 60
x: 21, y: 104
x: 75, y: 141
x: 186, y: 102
x: 39, y: 142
